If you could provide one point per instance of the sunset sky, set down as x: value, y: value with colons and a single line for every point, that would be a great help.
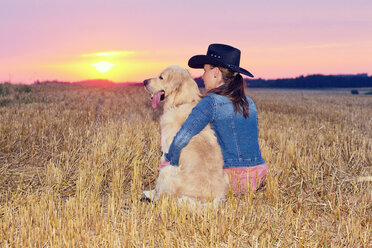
x: 130, y: 40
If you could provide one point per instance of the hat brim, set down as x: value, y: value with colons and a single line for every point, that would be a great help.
x: 198, y: 61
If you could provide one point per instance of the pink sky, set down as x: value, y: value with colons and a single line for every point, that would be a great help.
x: 61, y: 39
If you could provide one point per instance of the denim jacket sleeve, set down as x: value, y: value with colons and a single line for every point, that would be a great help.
x: 200, y: 116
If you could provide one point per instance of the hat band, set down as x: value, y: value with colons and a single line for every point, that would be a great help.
x: 228, y: 65
x: 233, y: 66
x: 215, y: 55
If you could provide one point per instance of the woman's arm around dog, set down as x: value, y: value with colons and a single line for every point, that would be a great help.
x: 200, y: 116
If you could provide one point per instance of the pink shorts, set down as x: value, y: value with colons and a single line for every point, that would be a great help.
x: 241, y: 178
x: 244, y: 178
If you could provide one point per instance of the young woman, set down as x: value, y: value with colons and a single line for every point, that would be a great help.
x: 231, y: 114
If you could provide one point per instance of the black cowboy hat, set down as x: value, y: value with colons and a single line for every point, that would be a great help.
x: 220, y: 55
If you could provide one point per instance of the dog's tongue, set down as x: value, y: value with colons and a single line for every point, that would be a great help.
x: 156, y: 99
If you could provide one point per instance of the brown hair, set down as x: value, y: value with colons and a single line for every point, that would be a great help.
x: 234, y: 90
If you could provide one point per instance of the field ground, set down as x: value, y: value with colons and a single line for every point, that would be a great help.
x: 74, y: 160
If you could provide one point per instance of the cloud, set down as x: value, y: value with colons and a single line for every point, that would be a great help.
x: 328, y: 45
x: 110, y: 54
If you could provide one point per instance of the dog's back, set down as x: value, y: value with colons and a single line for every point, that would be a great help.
x: 199, y: 174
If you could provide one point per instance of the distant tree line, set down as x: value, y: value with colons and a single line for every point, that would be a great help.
x: 311, y: 81
x: 50, y: 82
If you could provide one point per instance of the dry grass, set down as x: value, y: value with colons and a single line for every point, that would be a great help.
x: 74, y: 159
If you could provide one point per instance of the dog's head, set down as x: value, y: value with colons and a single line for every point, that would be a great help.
x: 174, y: 85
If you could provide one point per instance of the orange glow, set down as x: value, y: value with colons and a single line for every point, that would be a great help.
x: 136, y: 65
x: 111, y: 66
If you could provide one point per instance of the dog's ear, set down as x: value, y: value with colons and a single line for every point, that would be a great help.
x: 186, y: 91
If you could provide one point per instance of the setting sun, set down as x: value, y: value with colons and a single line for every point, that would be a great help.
x: 103, y: 66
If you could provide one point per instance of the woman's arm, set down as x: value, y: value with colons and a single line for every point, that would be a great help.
x: 200, y: 116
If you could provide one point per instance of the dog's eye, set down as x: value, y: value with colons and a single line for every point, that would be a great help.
x: 161, y: 78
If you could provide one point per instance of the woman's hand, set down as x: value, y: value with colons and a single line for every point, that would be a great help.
x: 163, y: 164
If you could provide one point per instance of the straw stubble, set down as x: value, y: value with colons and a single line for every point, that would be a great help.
x: 74, y: 160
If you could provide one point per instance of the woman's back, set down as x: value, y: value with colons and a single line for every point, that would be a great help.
x: 237, y: 136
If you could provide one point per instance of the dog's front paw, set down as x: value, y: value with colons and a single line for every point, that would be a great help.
x: 147, y: 195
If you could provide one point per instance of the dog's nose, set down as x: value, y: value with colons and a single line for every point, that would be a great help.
x: 146, y: 82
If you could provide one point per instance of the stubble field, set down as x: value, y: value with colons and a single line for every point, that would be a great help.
x: 75, y: 159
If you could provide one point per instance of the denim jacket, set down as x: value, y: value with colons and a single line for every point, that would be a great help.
x: 237, y: 136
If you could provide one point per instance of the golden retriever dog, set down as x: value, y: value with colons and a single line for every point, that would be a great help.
x: 200, y: 175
